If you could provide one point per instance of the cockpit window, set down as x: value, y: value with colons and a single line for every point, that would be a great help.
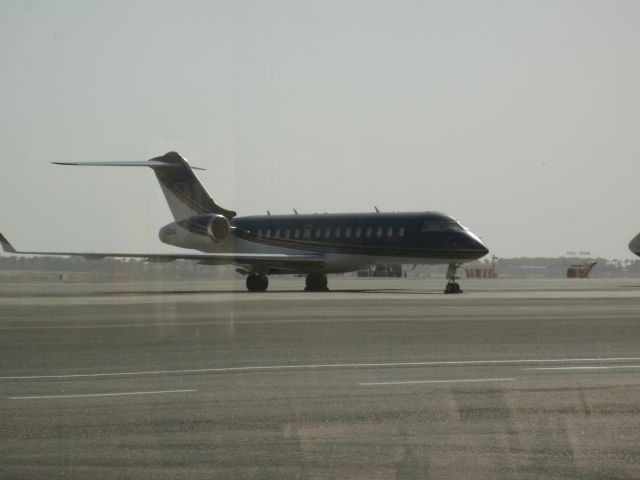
x: 455, y: 226
x: 451, y: 226
x: 432, y: 227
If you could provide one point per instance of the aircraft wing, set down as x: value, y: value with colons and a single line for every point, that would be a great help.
x: 274, y: 260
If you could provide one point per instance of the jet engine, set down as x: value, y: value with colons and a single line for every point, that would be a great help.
x: 218, y: 228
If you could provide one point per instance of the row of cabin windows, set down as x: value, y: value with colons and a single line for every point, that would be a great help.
x: 337, y: 232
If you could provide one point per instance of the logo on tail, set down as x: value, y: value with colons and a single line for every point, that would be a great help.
x: 184, y: 193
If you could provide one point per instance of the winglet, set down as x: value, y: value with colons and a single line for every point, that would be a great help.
x: 6, y: 246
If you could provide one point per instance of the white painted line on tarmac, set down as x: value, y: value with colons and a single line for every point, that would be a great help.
x: 258, y: 368
x: 120, y: 394
x: 585, y: 367
x: 414, y: 382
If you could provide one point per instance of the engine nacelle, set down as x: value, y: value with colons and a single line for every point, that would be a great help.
x: 218, y: 228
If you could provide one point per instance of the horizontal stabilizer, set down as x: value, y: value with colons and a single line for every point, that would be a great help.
x: 146, y: 163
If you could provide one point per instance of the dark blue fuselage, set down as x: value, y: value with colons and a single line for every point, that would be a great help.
x: 402, y: 235
x: 347, y: 240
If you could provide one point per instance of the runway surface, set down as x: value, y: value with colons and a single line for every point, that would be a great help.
x: 380, y: 378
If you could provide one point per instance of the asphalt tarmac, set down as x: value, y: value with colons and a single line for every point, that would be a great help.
x: 389, y: 378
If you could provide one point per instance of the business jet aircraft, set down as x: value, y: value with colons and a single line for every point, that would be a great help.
x: 314, y: 245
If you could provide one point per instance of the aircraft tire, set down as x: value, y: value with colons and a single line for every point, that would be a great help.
x: 316, y: 283
x: 452, y: 287
x: 257, y: 282
x: 263, y: 283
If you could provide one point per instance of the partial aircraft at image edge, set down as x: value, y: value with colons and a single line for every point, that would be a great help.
x: 311, y: 244
x: 634, y: 245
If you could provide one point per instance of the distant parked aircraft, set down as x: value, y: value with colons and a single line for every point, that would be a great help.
x: 317, y: 244
x: 634, y: 245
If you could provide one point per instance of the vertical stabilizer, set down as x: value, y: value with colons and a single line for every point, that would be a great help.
x: 184, y: 193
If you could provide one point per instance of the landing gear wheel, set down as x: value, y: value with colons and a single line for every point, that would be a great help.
x: 316, y: 283
x: 452, y: 287
x: 257, y: 282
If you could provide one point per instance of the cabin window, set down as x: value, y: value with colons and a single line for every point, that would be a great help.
x: 358, y: 232
x: 297, y: 233
x: 287, y: 233
x: 455, y: 226
x: 269, y: 233
x: 259, y: 233
x: 347, y: 232
x: 338, y: 232
x: 390, y: 232
x: 401, y: 232
x: 368, y: 232
x: 317, y: 233
x: 379, y: 232
x: 327, y: 232
x: 277, y: 235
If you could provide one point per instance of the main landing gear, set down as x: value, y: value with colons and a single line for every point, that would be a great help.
x: 257, y: 282
x: 316, y: 283
x: 452, y: 285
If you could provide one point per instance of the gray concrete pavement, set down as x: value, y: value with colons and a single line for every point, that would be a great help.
x: 377, y: 379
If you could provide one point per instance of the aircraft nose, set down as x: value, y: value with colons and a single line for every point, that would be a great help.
x: 478, y: 245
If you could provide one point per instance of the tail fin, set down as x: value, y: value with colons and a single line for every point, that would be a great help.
x: 184, y: 193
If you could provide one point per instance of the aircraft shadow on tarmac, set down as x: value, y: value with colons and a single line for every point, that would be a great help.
x: 122, y: 293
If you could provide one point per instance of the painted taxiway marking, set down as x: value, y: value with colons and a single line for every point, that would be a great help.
x: 120, y: 394
x: 585, y: 367
x: 259, y: 368
x: 414, y: 382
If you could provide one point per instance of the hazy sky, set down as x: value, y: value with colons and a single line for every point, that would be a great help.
x: 519, y: 118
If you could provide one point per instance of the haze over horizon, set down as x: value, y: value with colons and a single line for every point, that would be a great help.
x: 520, y: 119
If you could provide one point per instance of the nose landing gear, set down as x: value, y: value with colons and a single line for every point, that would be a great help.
x: 452, y: 286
